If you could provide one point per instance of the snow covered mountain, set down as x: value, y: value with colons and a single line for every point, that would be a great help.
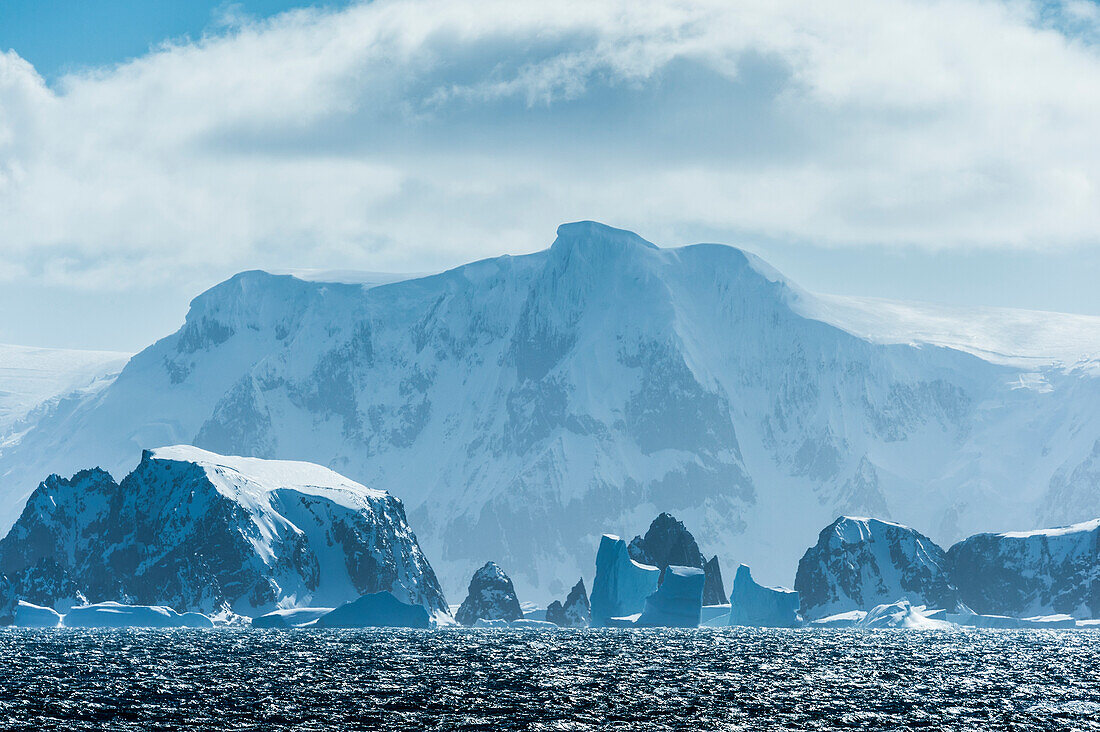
x: 204, y: 532
x: 522, y: 406
x: 859, y: 563
x: 1027, y: 573
x: 30, y: 377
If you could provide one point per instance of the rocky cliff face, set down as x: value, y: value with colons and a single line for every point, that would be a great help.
x: 859, y: 563
x: 198, y: 531
x: 491, y: 596
x: 575, y: 613
x: 1023, y: 574
x: 523, y: 405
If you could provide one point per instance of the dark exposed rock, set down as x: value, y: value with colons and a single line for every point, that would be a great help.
x: 668, y: 542
x: 491, y: 597
x: 859, y: 563
x: 714, y: 590
x: 575, y: 613
x: 8, y: 601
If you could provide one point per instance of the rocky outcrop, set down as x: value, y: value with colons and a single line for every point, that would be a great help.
x: 8, y: 601
x: 575, y: 613
x: 668, y: 542
x: 677, y: 603
x: 859, y: 563
x: 622, y: 584
x: 1029, y: 573
x: 198, y: 531
x: 762, y: 607
x: 491, y: 597
x: 714, y: 590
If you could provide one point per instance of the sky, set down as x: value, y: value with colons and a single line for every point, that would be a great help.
x: 936, y: 150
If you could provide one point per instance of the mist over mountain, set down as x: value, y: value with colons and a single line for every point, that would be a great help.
x: 522, y: 406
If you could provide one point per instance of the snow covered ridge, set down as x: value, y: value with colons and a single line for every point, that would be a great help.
x: 214, y: 534
x: 1054, y: 571
x: 860, y: 563
x: 521, y: 406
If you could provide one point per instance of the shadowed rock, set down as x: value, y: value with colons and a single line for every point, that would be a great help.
x: 491, y: 597
x: 575, y: 613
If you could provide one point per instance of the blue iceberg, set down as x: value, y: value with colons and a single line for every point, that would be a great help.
x: 376, y: 610
x: 35, y: 616
x: 762, y: 607
x: 621, y: 585
x: 678, y: 602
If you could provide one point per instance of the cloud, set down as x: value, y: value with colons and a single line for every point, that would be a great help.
x: 413, y: 134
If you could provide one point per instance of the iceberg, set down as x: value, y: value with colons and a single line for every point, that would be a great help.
x: 524, y: 624
x: 762, y: 607
x: 668, y: 542
x: 117, y: 615
x: 622, y: 585
x: 36, y: 616
x: 376, y: 610
x: 483, y: 623
x: 678, y: 602
x: 290, y: 618
x: 710, y: 612
x: 840, y: 620
x: 902, y: 615
x: 1057, y: 621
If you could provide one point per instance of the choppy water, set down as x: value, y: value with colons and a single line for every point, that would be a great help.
x: 576, y: 680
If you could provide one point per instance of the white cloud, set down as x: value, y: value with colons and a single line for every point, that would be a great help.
x: 407, y: 135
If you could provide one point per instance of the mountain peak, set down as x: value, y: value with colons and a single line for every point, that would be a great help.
x: 591, y: 234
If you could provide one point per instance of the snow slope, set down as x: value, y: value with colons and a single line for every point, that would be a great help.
x: 31, y: 376
x: 523, y: 406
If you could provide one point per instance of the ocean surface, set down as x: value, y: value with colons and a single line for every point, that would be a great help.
x: 709, y: 679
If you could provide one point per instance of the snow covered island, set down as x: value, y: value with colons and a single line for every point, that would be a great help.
x: 224, y: 536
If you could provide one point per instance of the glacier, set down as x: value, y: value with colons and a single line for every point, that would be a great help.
x: 523, y: 405
x: 33, y: 379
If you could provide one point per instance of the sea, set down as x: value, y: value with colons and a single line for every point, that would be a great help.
x: 706, y: 679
